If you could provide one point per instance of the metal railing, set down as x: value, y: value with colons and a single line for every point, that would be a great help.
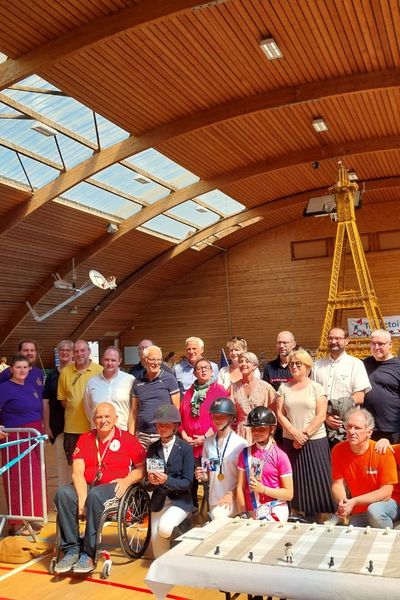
x: 26, y: 440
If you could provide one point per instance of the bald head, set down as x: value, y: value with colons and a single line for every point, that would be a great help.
x: 285, y: 343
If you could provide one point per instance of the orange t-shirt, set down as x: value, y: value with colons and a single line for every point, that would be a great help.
x: 396, y: 488
x: 363, y: 473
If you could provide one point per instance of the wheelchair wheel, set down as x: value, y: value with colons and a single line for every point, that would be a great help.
x: 134, y: 521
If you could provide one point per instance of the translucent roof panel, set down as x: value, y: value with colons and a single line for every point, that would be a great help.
x: 38, y: 173
x: 123, y: 178
x: 101, y: 200
x: 196, y: 214
x: 168, y: 227
x: 164, y: 168
x: 140, y: 180
x: 3, y: 57
x: 222, y: 202
x: 66, y: 111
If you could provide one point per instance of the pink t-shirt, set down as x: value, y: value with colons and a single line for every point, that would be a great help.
x: 274, y: 464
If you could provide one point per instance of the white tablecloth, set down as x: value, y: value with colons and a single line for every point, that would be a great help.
x: 175, y: 568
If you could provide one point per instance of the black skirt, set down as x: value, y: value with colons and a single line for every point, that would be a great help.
x: 312, y: 476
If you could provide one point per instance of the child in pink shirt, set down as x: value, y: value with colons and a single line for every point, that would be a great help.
x: 265, y: 482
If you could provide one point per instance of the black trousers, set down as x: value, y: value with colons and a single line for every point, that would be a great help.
x: 66, y: 501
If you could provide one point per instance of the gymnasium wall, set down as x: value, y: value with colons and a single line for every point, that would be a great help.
x: 256, y: 289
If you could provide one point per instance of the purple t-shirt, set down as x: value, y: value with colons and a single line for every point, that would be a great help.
x: 19, y: 404
x: 35, y: 377
x: 274, y: 463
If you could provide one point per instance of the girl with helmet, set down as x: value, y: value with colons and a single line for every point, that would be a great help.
x: 265, y: 482
x: 220, y: 454
x: 170, y: 468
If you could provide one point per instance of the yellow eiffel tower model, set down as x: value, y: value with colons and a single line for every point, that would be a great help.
x: 340, y: 299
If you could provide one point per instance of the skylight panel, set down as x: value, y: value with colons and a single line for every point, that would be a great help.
x: 168, y: 227
x: 102, y: 200
x: 222, y: 202
x: 190, y: 212
x: 164, y: 168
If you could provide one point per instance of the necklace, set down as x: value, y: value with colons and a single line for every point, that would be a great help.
x: 99, y: 473
x: 220, y: 455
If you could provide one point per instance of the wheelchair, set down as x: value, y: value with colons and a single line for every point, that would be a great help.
x: 132, y: 515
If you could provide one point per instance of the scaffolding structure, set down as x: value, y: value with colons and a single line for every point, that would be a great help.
x: 339, y: 298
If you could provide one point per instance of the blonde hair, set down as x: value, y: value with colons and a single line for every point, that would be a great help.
x: 237, y: 342
x: 302, y: 356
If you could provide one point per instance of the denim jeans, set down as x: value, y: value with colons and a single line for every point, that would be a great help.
x: 378, y: 514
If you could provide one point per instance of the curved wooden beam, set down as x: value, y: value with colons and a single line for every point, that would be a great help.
x: 13, y: 70
x: 162, y: 259
x: 47, y: 284
x: 237, y: 108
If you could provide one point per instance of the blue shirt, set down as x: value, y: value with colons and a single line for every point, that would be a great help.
x: 150, y: 395
x: 19, y: 404
x: 35, y: 377
x: 185, y: 375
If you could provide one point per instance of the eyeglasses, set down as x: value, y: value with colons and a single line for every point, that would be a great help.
x: 332, y: 339
x: 296, y: 364
x: 154, y: 361
x: 205, y: 368
x: 379, y: 344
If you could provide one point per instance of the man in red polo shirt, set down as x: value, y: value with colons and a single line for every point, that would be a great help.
x: 106, y: 461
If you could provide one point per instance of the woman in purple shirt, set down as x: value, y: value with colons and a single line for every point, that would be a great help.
x: 21, y: 406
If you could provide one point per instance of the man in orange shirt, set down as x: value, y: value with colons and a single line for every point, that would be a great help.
x: 368, y: 475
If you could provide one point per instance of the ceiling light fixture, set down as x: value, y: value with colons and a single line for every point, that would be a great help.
x: 201, y: 209
x: 43, y: 129
x: 319, y: 125
x: 352, y: 175
x: 73, y: 310
x: 271, y: 48
x: 112, y: 228
x: 142, y: 179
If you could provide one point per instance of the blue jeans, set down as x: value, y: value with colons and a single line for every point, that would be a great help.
x: 379, y: 515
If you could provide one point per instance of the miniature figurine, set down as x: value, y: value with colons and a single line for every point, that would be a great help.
x: 289, y: 552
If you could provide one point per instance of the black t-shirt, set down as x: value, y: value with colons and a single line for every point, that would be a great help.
x: 55, y: 406
x: 275, y: 374
x: 383, y: 401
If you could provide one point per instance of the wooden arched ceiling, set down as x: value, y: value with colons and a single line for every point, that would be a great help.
x: 189, y: 79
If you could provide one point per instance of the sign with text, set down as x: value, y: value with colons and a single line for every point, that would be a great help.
x: 359, y: 328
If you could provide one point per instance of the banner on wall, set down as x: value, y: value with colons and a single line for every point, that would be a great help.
x: 359, y: 328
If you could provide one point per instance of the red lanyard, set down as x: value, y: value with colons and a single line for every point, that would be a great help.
x: 100, y: 459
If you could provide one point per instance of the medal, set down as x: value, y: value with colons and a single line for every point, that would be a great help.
x: 220, y: 476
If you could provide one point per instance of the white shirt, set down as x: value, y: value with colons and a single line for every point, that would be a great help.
x: 167, y: 448
x: 342, y: 377
x: 117, y: 391
x: 218, y: 489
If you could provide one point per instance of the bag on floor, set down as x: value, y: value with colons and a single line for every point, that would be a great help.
x: 18, y: 550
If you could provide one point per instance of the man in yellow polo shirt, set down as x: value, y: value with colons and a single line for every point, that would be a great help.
x: 70, y: 392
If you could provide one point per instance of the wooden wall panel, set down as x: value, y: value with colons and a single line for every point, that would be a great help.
x: 268, y: 291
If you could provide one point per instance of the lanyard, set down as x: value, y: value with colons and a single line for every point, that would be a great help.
x: 220, y: 475
x: 100, y: 459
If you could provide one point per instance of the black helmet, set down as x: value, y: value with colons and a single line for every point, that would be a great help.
x: 260, y: 416
x: 166, y: 413
x: 223, y: 406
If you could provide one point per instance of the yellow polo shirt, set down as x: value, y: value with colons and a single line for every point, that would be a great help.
x: 71, y: 388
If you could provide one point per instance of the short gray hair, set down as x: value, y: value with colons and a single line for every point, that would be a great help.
x: 195, y: 340
x: 250, y: 356
x: 382, y: 332
x: 147, y: 350
x: 369, y: 419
